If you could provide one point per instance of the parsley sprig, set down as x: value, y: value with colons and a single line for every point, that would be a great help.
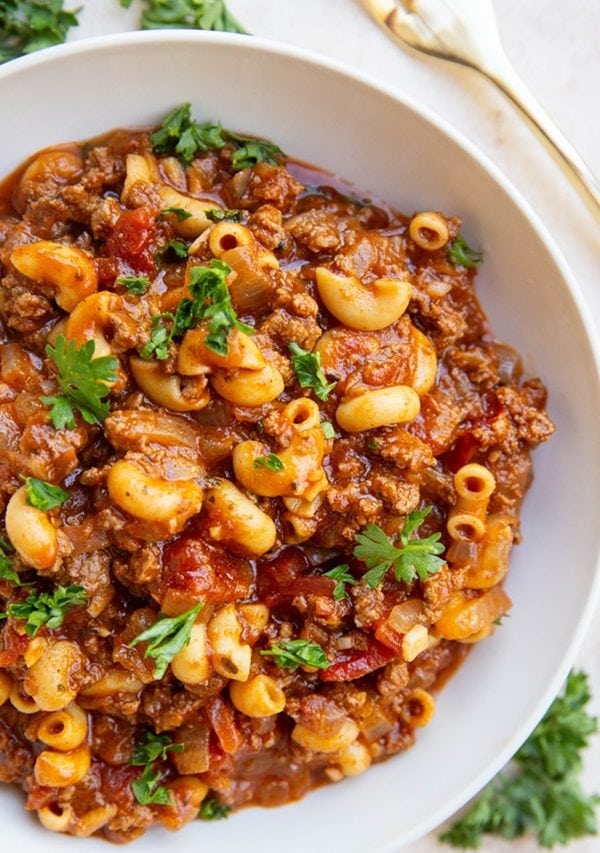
x: 213, y: 809
x: 7, y: 570
x: 188, y: 14
x: 46, y: 608
x: 413, y: 558
x: 135, y: 284
x: 44, y: 495
x: 181, y: 135
x: 341, y: 575
x: 544, y: 794
x: 82, y: 380
x: 290, y: 654
x: 168, y: 636
x: 309, y: 371
x: 225, y: 215
x: 271, y: 461
x: 152, y: 748
x: 29, y: 25
x: 462, y: 255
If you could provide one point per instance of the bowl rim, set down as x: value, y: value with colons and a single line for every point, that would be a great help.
x: 131, y: 39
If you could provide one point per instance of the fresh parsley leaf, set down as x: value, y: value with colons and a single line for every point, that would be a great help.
x: 83, y: 381
x: 30, y: 25
x: 341, y: 575
x: 290, y: 654
x: 168, y: 635
x: 46, y: 608
x: 271, y: 461
x: 136, y: 284
x: 414, y: 558
x: 254, y: 151
x: 543, y: 795
x: 161, y: 336
x: 220, y: 215
x: 309, y: 371
x: 179, y: 212
x: 211, y: 301
x: 189, y: 14
x: 462, y: 255
x: 181, y: 135
x: 328, y: 429
x: 177, y: 249
x: 147, y: 791
x: 152, y: 747
x: 44, y: 495
x: 7, y: 572
x: 213, y: 809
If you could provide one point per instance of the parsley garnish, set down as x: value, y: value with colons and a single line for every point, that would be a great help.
x: 462, y: 255
x: 177, y: 249
x: 179, y: 212
x: 44, y: 495
x: 82, y: 379
x: 414, y: 558
x: 341, y: 575
x: 145, y: 788
x: 290, y: 654
x: 181, y: 135
x: 309, y: 371
x: 46, y: 608
x: 213, y: 809
x: 220, y: 215
x: 168, y: 635
x: 29, y: 25
x: 153, y: 746
x: 544, y: 796
x: 271, y: 461
x: 160, y: 338
x: 136, y: 284
x: 328, y: 429
x: 7, y: 572
x: 188, y: 14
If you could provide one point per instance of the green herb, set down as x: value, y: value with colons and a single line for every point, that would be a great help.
x: 83, y: 381
x: 373, y: 445
x: 290, y: 654
x: 271, y: 461
x: 213, y: 809
x: 220, y: 215
x: 414, y: 558
x: 544, y: 794
x: 44, y: 495
x: 188, y: 14
x: 30, y: 25
x: 181, y: 135
x: 7, y: 572
x: 168, y: 636
x: 147, y: 791
x: 462, y: 255
x: 179, y: 212
x: 46, y: 608
x: 177, y: 249
x: 341, y: 575
x: 211, y: 301
x: 136, y: 284
x: 254, y: 151
x: 328, y: 429
x: 159, y: 344
x: 152, y: 747
x: 309, y: 371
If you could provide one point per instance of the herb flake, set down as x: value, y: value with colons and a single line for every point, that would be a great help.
x: 462, y: 255
x: 44, y: 495
x: 290, y: 654
x: 45, y: 608
x: 168, y: 636
x: 309, y: 372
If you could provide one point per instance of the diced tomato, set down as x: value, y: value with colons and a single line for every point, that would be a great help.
x: 462, y: 451
x: 194, y: 569
x: 14, y: 645
x: 356, y: 663
x: 389, y: 637
x: 273, y: 577
x: 134, y: 240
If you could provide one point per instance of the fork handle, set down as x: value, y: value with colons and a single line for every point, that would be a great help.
x: 503, y: 75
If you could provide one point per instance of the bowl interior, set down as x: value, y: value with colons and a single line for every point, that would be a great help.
x: 321, y: 114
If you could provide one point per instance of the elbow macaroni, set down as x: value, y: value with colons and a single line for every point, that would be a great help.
x: 474, y: 485
x: 363, y: 307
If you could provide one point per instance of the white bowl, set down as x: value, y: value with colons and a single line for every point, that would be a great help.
x: 328, y: 115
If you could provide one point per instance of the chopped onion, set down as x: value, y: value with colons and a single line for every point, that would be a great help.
x: 404, y: 616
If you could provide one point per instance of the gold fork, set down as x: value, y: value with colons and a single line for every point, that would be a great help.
x: 465, y: 32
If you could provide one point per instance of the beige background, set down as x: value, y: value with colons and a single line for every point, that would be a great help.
x: 555, y: 46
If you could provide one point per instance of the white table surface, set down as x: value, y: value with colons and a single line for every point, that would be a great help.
x: 555, y: 46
